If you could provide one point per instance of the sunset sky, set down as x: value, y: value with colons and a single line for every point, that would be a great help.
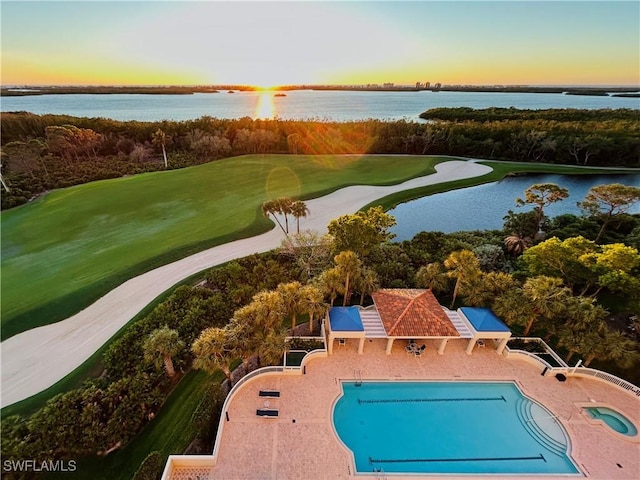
x: 277, y: 43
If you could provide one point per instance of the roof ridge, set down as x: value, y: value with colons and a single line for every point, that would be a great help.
x: 393, y: 327
x: 411, y: 302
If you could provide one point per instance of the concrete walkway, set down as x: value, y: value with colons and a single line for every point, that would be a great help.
x: 34, y: 360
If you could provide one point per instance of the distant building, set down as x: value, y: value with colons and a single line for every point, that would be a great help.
x: 427, y: 84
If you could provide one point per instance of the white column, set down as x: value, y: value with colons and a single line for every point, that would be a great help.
x: 502, y: 344
x: 470, y: 345
x: 390, y: 344
x: 443, y: 344
x: 361, y: 345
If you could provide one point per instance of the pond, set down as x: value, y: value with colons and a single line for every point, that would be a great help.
x: 483, y: 207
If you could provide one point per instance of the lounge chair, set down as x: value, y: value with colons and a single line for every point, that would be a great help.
x: 269, y: 393
x: 267, y: 413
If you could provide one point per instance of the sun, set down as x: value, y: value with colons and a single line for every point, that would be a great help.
x: 265, y: 87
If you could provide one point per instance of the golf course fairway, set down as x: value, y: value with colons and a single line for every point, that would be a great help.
x: 66, y: 249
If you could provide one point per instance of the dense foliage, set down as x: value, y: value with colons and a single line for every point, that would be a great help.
x: 44, y: 152
x: 107, y: 412
x: 494, y: 114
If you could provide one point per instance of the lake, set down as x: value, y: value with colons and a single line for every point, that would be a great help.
x: 483, y: 207
x: 297, y: 104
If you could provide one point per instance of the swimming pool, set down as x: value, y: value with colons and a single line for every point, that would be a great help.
x: 449, y: 427
x: 616, y: 421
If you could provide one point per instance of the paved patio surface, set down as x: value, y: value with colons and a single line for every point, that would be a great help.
x: 301, y: 443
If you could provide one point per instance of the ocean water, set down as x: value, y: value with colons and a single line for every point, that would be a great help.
x: 297, y: 104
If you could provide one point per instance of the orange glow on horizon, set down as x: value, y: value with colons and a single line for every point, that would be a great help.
x: 270, y: 44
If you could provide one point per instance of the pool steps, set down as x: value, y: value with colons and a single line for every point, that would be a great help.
x: 525, y: 414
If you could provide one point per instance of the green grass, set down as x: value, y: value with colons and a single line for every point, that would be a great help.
x: 170, y: 432
x: 500, y: 170
x: 63, y: 251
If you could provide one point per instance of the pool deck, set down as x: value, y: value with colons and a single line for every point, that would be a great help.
x: 301, y: 443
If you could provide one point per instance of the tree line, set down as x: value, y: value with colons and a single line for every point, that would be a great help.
x: 43, y: 152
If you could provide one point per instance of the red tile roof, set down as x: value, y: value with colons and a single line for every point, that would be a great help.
x: 413, y: 313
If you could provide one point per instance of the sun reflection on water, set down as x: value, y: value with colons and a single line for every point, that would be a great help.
x: 265, y: 107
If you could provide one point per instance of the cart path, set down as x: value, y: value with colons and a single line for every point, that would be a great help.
x: 34, y: 360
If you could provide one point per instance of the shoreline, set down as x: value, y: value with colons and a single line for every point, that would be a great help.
x: 25, y: 91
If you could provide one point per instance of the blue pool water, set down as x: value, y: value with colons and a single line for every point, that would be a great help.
x: 614, y: 420
x: 449, y: 427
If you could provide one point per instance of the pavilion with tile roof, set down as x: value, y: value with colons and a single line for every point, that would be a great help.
x: 413, y: 314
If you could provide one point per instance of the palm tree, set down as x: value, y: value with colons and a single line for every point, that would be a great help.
x: 213, y: 351
x: 313, y: 302
x: 291, y: 294
x: 267, y: 309
x: 432, y: 276
x: 349, y: 267
x: 299, y: 210
x: 271, y: 346
x: 367, y: 282
x: 484, y: 289
x: 243, y: 339
x: 548, y: 296
x: 463, y: 265
x: 616, y: 346
x: 514, y: 308
x: 582, y: 339
x: 283, y: 206
x: 161, y: 346
x: 330, y: 284
x: 571, y: 339
x: 516, y: 244
x: 583, y: 312
x: 269, y: 207
x: 160, y: 138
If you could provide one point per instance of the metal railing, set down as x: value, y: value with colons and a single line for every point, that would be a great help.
x: 607, y: 377
x: 547, y: 349
x: 531, y: 355
x: 231, y: 394
x: 576, y: 371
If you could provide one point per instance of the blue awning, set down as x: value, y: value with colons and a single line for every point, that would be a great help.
x: 345, y: 319
x: 484, y: 320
